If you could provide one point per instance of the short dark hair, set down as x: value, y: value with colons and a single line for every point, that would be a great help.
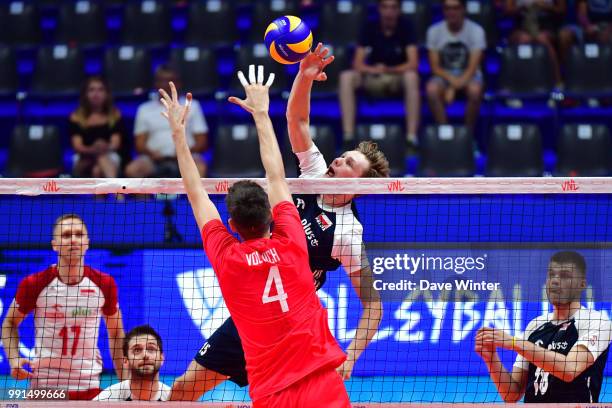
x: 67, y: 216
x: 570, y: 257
x: 168, y: 68
x: 397, y: 1
x: 138, y: 331
x: 249, y: 208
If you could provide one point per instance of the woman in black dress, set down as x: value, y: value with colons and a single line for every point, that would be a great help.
x: 95, y: 129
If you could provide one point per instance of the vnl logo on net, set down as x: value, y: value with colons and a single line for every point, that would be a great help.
x: 203, y: 299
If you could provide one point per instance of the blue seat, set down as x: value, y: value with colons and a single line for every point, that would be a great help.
x: 584, y: 150
x: 526, y: 72
x: 515, y: 150
x: 446, y: 151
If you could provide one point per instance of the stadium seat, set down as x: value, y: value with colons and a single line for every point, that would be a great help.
x: 20, y: 22
x: 8, y: 72
x: 236, y: 152
x: 59, y: 71
x: 584, y: 150
x: 446, y: 151
x: 128, y: 70
x: 391, y: 141
x: 265, y: 11
x: 587, y: 71
x: 83, y: 23
x: 483, y: 13
x: 114, y: 3
x: 526, y: 71
x: 197, y: 68
x: 51, y: 4
x: 515, y: 151
x: 146, y: 22
x: 211, y: 23
x: 258, y: 54
x: 418, y: 13
x: 341, y: 62
x: 341, y: 22
x: 35, y: 151
x: 325, y: 139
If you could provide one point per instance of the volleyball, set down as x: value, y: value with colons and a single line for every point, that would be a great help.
x: 288, y: 39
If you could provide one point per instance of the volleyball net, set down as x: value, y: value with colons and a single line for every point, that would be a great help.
x: 448, y: 257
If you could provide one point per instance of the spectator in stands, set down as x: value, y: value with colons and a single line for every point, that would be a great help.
x: 157, y: 156
x: 143, y: 356
x: 96, y: 129
x: 385, y: 63
x: 538, y: 21
x: 455, y: 47
x: 594, y: 18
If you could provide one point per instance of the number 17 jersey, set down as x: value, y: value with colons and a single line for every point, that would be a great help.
x: 268, y: 288
x: 67, y: 321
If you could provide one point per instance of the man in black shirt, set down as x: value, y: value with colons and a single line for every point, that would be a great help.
x: 385, y: 63
x: 562, y: 355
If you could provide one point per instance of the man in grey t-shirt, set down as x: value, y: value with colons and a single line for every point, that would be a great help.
x: 455, y: 49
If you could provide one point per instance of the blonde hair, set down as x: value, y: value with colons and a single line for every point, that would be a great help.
x: 379, y: 165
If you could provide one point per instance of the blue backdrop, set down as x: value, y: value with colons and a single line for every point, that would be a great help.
x: 423, y: 331
x: 506, y: 240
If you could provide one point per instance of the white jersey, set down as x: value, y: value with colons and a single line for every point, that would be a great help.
x: 149, y: 121
x: 122, y: 392
x: 348, y: 232
x: 67, y: 323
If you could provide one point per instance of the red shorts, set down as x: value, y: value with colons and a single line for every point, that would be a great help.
x: 321, y: 389
x: 85, y: 395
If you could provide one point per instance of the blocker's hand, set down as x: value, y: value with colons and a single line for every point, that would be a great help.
x: 313, y: 64
x: 257, y: 94
x: 175, y: 112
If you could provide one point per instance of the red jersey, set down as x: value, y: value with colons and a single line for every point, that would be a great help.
x: 67, y: 322
x: 268, y: 288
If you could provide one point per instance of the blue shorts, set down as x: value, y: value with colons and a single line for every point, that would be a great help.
x: 223, y: 354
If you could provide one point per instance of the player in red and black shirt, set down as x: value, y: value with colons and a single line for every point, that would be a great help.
x: 291, y: 356
x: 562, y: 355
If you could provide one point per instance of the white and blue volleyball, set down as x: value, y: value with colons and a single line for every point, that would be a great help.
x: 288, y: 39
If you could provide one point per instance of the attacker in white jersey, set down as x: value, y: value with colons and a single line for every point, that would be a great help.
x: 67, y: 299
x: 562, y: 355
x: 143, y: 356
x: 336, y: 236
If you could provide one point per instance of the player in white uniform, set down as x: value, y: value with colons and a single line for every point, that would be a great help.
x: 143, y: 355
x: 363, y: 161
x: 67, y: 299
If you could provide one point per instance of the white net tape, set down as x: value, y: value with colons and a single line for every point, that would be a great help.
x: 510, y: 185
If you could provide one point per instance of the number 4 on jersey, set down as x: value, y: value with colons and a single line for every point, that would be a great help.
x: 281, y: 296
